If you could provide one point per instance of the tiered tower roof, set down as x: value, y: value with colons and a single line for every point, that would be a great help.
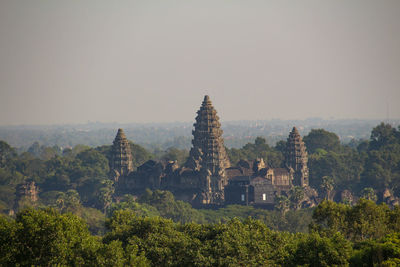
x: 208, y: 150
x: 296, y: 157
x: 121, y: 157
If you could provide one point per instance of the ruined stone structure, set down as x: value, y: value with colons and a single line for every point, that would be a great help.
x: 296, y: 158
x: 28, y: 189
x: 27, y: 194
x: 121, y: 157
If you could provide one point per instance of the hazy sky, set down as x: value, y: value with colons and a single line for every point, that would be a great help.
x: 153, y: 61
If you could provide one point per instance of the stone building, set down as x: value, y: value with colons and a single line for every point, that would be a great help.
x: 27, y: 194
x: 201, y: 180
x: 208, y: 155
x: 257, y: 184
x: 296, y: 158
x: 207, y: 177
x: 121, y: 157
x: 254, y: 183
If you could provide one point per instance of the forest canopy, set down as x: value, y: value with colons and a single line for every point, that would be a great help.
x: 66, y: 202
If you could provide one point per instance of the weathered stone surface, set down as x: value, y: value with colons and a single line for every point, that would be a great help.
x: 121, y: 157
x: 389, y: 198
x: 204, y: 177
x: 257, y: 184
x: 208, y: 155
x: 296, y: 158
x: 27, y: 193
x: 258, y: 164
x: 28, y: 189
x: 254, y: 183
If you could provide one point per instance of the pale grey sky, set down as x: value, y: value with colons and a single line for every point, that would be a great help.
x: 153, y: 61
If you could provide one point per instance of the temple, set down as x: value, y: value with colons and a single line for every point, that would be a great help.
x: 296, y: 158
x: 208, y: 155
x: 207, y: 176
x: 121, y: 156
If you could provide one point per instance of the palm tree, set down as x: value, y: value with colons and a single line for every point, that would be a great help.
x: 327, y: 186
x: 282, y: 204
x: 296, y: 196
x: 369, y: 193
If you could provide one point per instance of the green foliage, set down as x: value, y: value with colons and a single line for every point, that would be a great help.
x: 344, y: 168
x: 366, y: 220
x: 166, y: 205
x: 369, y: 194
x: 260, y: 149
x: 383, y: 161
x: 248, y: 243
x: 174, y: 154
x: 139, y: 155
x: 91, y: 163
x: 383, y: 135
x: 291, y: 221
x: 383, y: 252
x: 47, y: 238
x: 321, y: 139
x: 316, y: 250
x: 7, y: 153
x: 44, y: 152
x: 140, y: 209
x: 76, y: 184
x: 106, y: 193
x: 296, y: 195
x: 327, y: 186
x: 7, y: 197
x: 282, y: 203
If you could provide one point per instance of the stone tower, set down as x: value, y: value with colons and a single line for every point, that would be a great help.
x: 121, y: 157
x: 208, y: 155
x: 296, y: 158
x: 26, y: 195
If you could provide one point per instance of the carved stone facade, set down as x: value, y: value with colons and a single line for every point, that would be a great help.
x: 256, y: 184
x: 200, y: 181
x: 296, y: 158
x: 208, y: 155
x: 207, y: 177
x: 121, y: 157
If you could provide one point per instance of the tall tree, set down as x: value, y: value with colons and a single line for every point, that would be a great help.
x: 327, y: 186
x: 321, y: 139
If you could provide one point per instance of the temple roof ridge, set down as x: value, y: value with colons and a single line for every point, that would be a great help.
x: 120, y: 134
x: 207, y: 101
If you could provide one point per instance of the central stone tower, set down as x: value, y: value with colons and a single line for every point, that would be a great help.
x: 296, y: 158
x: 208, y: 155
x: 121, y: 157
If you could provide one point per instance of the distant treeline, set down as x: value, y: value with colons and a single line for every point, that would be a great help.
x: 162, y: 136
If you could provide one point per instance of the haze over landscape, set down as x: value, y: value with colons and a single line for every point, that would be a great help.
x: 199, y: 133
x: 152, y: 61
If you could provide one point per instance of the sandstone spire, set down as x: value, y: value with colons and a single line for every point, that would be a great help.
x: 208, y: 153
x: 121, y: 156
x: 296, y: 158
